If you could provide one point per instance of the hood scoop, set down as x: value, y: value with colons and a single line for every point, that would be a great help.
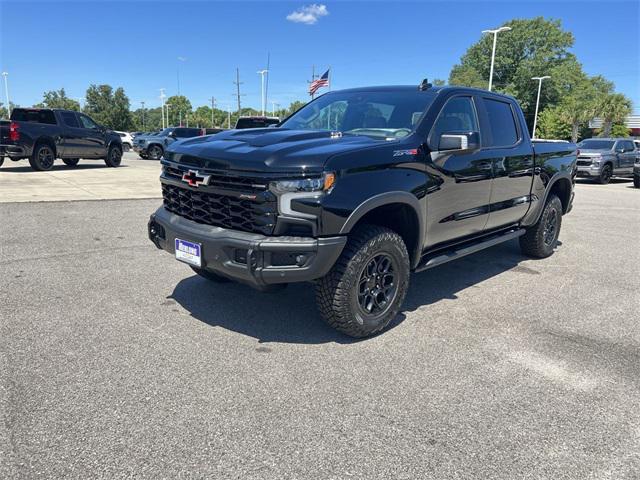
x: 269, y: 136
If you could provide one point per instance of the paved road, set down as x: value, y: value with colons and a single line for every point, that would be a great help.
x: 116, y: 361
x: 89, y: 180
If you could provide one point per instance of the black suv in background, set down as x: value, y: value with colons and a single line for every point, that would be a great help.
x: 42, y: 135
x: 153, y: 146
x: 359, y: 188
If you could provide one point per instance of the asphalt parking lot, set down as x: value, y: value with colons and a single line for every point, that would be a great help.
x: 116, y: 361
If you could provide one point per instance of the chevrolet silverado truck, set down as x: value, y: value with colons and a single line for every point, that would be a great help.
x: 41, y: 135
x: 153, y: 146
x: 600, y: 159
x: 358, y: 189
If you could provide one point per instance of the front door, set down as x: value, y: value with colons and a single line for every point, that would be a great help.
x: 94, y: 137
x: 459, y: 184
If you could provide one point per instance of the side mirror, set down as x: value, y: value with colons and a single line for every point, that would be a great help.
x: 460, y: 142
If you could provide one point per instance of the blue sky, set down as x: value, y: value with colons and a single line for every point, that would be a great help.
x: 136, y: 45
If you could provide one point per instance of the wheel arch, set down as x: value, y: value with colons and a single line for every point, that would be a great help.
x: 399, y: 211
x: 46, y: 141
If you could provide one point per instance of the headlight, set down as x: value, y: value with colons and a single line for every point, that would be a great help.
x: 312, y: 184
x: 596, y: 160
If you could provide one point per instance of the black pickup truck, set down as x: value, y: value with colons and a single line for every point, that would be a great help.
x: 41, y: 135
x: 358, y: 189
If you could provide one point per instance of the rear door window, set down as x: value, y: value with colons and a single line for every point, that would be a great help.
x: 504, y: 132
x: 70, y: 119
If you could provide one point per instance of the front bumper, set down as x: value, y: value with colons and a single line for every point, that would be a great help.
x: 588, y: 171
x: 250, y: 258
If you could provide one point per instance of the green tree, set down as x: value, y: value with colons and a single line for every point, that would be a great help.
x: 108, y: 107
x: 612, y: 108
x: 295, y: 106
x: 552, y: 124
x: 58, y: 99
x: 533, y: 47
x: 179, y: 108
x: 152, y: 119
x: 619, y: 130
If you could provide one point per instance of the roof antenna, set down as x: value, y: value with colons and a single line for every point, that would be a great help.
x: 425, y: 85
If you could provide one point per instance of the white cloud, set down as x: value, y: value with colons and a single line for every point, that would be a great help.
x: 309, y: 14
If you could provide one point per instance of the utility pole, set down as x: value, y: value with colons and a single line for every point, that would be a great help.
x: 6, y: 93
x: 143, y: 127
x: 237, y: 84
x: 535, y: 119
x: 263, y: 105
x: 166, y: 107
x: 213, y: 106
x: 162, y: 97
x: 493, y: 51
x: 229, y: 117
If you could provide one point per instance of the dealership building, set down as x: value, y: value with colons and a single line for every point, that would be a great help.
x: 632, y: 122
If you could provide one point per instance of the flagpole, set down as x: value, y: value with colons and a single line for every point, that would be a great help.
x: 330, y: 77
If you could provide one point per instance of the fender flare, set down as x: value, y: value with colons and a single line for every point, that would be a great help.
x: 540, y: 207
x: 388, y: 198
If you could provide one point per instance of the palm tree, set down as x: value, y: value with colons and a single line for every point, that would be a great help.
x: 613, y: 108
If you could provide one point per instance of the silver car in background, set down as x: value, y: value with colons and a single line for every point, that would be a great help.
x: 603, y: 158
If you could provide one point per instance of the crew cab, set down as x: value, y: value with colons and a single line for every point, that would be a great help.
x: 41, y: 135
x: 602, y: 158
x: 358, y: 189
x: 153, y: 146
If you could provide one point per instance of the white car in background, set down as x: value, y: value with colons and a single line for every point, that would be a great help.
x: 127, y: 140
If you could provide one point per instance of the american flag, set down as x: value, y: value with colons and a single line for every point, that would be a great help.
x: 323, y: 81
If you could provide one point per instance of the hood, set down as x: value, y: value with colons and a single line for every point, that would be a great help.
x: 267, y: 149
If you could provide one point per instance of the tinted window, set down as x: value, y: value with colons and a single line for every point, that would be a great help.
x: 35, y: 116
x: 256, y: 122
x: 69, y: 119
x: 87, y: 122
x: 457, y: 116
x: 503, y: 125
x: 628, y: 146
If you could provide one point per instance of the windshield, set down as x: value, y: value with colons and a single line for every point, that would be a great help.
x: 380, y: 114
x: 596, y: 145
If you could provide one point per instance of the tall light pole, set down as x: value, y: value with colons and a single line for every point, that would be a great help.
x: 167, y: 107
x: 228, y: 117
x: 142, y: 103
x: 535, y: 118
x: 6, y: 92
x: 273, y: 108
x: 262, y: 73
x: 162, y: 97
x: 493, y: 51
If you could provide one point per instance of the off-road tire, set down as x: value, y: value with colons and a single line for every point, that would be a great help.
x: 537, y: 242
x: 72, y: 162
x: 337, y: 293
x: 114, y: 156
x: 636, y: 180
x: 210, y: 275
x: 155, y: 152
x: 42, y: 158
x: 605, y: 175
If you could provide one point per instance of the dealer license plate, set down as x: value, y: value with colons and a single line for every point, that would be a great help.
x: 189, y: 252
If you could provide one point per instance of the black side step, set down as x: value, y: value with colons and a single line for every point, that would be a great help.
x: 453, y: 254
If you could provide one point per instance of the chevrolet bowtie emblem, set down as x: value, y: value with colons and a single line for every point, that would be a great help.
x: 193, y: 178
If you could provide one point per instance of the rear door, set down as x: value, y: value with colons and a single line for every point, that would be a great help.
x: 94, y: 136
x: 458, y: 202
x: 72, y: 136
x: 511, y: 155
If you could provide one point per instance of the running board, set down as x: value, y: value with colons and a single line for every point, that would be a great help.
x: 454, y: 254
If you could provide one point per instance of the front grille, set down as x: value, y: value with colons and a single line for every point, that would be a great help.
x: 227, y: 211
x: 228, y: 182
x: 584, y: 163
